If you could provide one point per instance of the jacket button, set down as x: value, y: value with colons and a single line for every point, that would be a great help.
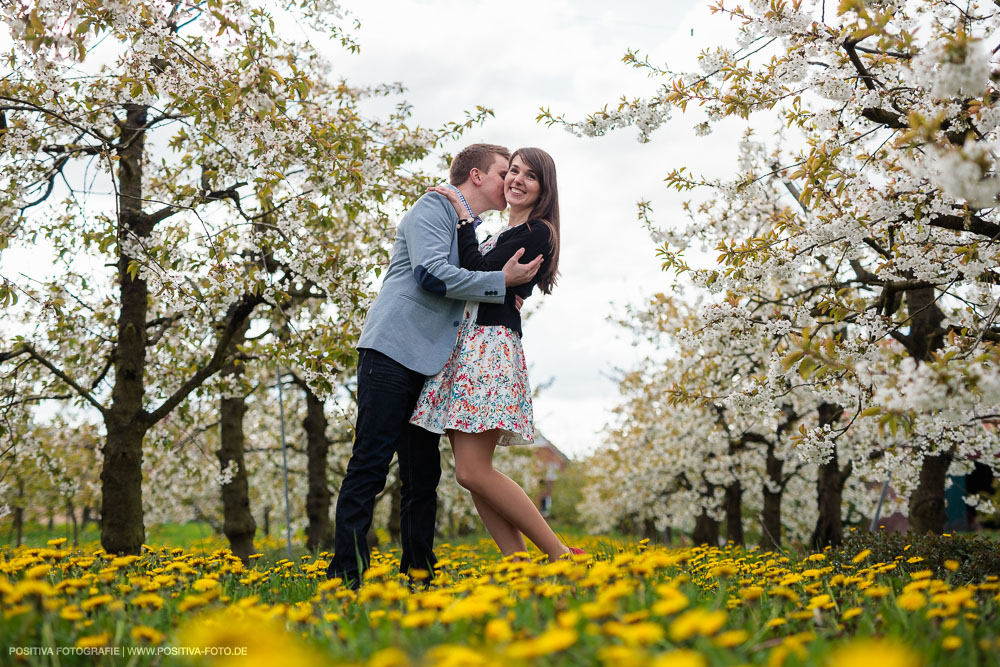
x: 455, y: 323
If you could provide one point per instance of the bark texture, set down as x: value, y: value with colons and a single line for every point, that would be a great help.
x: 238, y: 523
x: 319, y: 533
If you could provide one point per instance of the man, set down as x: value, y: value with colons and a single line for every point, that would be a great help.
x: 409, y: 334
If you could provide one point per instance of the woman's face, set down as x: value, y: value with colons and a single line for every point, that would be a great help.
x: 521, y: 186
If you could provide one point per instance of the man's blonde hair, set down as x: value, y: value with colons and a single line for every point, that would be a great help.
x: 476, y: 156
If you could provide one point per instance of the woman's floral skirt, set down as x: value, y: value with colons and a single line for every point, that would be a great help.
x: 483, y: 386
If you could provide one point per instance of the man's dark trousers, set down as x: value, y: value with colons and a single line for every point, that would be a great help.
x: 387, y: 393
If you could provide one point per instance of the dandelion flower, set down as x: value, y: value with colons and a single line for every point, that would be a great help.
x: 874, y: 653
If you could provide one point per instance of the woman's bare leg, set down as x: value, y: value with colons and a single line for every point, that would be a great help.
x: 474, y: 471
x: 508, y: 538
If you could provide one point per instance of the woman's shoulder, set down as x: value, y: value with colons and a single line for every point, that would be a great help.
x: 538, y: 227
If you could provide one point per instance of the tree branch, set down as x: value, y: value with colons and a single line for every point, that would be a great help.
x: 849, y: 46
x: 59, y: 373
x: 237, y: 315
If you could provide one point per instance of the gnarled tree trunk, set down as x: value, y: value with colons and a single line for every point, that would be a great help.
x: 238, y: 523
x: 319, y: 532
x: 829, y: 529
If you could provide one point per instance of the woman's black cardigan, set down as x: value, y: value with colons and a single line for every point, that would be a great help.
x: 533, y: 236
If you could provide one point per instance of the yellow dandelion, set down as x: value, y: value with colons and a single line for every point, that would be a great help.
x: 203, y: 584
x: 874, y: 653
x: 861, y: 556
x: 911, y: 601
x: 877, y: 591
x: 148, y: 600
x: 751, y: 593
x: 38, y: 571
x: 452, y: 655
x: 550, y: 641
x: 95, y: 601
x: 775, y: 622
x: 636, y: 634
x: 922, y: 574
x: 622, y: 656
x: 951, y: 565
x: 147, y: 634
x: 71, y: 613
x: 91, y: 641
x: 680, y: 658
x: 389, y: 657
x: 851, y: 613
x: 731, y: 638
x: 302, y: 611
x: 191, y: 602
x: 696, y: 622
x: 418, y: 619
x: 570, y: 619
x: 468, y: 608
x: 498, y: 630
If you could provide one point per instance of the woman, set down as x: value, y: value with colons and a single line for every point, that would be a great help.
x: 481, y: 397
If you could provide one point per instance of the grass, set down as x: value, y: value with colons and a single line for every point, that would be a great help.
x: 625, y: 603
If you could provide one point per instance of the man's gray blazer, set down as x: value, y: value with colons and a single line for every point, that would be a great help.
x: 416, y: 316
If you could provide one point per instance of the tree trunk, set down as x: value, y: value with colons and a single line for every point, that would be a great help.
x: 734, y: 513
x: 267, y: 520
x: 238, y: 524
x: 396, y: 500
x: 829, y: 529
x: 706, y: 530
x: 71, y: 513
x: 319, y: 532
x: 649, y: 531
x: 122, y: 529
x: 770, y: 539
x: 927, y: 500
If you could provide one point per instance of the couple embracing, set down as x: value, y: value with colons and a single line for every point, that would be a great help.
x: 440, y: 353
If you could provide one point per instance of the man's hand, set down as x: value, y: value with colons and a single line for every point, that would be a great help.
x: 516, y: 273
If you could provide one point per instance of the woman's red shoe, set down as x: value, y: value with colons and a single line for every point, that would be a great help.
x: 577, y: 551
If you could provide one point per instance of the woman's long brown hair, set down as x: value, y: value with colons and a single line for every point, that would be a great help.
x: 545, y: 209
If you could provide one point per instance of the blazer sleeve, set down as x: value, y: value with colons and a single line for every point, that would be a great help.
x: 535, y: 242
x: 428, y: 234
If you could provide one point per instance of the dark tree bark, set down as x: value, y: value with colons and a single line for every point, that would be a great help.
x: 734, y: 513
x: 649, y: 531
x: 71, y: 513
x: 706, y: 530
x: 267, y: 520
x: 770, y: 539
x: 927, y: 505
x: 319, y: 533
x: 829, y: 529
x: 927, y: 501
x: 238, y: 522
x: 122, y: 529
x: 396, y: 500
x: 17, y: 524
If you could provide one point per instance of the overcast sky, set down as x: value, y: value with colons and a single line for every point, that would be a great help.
x: 515, y: 57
